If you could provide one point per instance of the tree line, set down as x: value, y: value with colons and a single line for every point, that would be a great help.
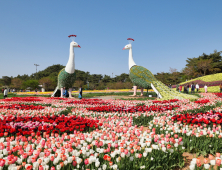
x: 48, y: 78
x: 203, y: 65
x: 195, y: 67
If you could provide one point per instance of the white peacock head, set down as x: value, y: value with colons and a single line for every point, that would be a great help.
x: 128, y: 46
x: 73, y: 43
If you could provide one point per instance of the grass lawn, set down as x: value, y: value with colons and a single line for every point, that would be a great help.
x: 140, y: 98
x: 14, y: 95
x: 89, y: 95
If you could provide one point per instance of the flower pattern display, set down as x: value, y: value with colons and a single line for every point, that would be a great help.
x: 109, y: 134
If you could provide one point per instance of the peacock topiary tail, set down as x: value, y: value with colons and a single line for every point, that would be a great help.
x: 143, y: 78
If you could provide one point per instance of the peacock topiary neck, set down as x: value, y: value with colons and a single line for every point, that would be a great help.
x: 131, y: 61
x: 70, y: 66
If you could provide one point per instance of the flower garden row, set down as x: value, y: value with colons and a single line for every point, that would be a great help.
x: 109, y: 134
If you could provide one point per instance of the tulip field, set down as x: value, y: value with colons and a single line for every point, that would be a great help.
x: 44, y: 133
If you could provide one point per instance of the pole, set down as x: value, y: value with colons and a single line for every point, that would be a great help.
x: 36, y: 69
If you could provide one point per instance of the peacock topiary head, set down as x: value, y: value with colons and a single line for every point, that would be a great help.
x: 127, y: 47
x: 74, y: 44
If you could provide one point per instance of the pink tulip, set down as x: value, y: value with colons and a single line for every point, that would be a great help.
x: 218, y: 162
x: 86, y: 161
x: 52, y: 168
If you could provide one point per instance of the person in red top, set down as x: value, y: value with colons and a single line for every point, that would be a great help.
x: 180, y: 88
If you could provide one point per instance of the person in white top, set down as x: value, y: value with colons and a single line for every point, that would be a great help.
x: 205, y: 87
x: 197, y: 87
x: 5, y: 93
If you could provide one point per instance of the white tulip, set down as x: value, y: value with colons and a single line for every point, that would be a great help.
x: 123, y: 155
x: 142, y: 167
x: 58, y: 167
x: 192, y: 167
x: 104, y: 166
x: 212, y: 162
x: 164, y: 149
x: 131, y: 158
x: 206, y: 166
x: 144, y: 154
x: 97, y: 163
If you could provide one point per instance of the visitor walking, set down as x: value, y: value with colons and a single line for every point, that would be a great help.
x: 192, y: 88
x: 177, y: 88
x: 220, y: 88
x: 205, y: 88
x: 180, y: 88
x: 197, y: 87
x: 188, y: 88
x: 5, y: 93
x: 65, y: 92
x: 185, y: 89
x: 80, y: 92
x: 3, y: 90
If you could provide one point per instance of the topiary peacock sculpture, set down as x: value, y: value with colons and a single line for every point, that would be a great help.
x: 143, y: 78
x: 67, y: 75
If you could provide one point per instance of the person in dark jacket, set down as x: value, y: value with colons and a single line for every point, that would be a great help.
x: 192, y: 88
x: 188, y: 88
x: 185, y: 89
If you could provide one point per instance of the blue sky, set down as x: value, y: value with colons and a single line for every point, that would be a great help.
x: 166, y: 33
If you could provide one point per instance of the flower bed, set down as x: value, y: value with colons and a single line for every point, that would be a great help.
x: 22, y: 99
x: 21, y: 107
x: 88, y: 102
x: 109, y: 134
x: 218, y: 94
x: 201, y: 119
x: 55, y: 124
x: 131, y: 109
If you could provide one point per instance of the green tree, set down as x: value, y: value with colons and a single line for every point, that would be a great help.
x: 16, y: 83
x: 101, y: 86
x: 48, y: 71
x: 95, y: 78
x: 78, y: 83
x: 24, y: 77
x: 106, y: 79
x: 206, y: 64
x: 174, y: 75
x: 123, y: 78
x: 164, y: 77
x: 6, y: 80
x: 32, y: 84
x: 47, y: 83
